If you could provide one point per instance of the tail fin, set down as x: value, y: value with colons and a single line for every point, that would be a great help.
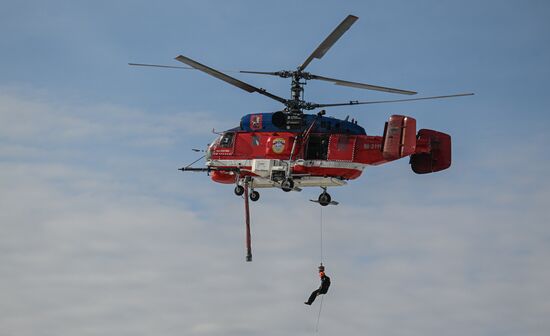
x: 433, y: 152
x: 399, y: 139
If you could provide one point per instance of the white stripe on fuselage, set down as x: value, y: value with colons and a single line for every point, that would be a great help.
x: 263, y: 180
x: 304, y: 163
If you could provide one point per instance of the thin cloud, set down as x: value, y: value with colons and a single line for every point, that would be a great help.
x: 30, y: 119
x: 120, y: 246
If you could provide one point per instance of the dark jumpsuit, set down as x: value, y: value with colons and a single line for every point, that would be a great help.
x: 323, y: 289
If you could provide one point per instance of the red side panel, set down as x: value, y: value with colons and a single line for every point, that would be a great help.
x: 399, y: 137
x: 438, y: 154
x: 244, y: 145
x: 341, y: 147
x: 368, y: 150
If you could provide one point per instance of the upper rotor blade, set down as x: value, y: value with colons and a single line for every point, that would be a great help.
x: 355, y: 102
x: 233, y: 81
x: 330, y: 40
x: 362, y: 85
x: 161, y: 66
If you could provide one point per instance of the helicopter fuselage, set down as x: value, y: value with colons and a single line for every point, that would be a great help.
x: 318, y: 151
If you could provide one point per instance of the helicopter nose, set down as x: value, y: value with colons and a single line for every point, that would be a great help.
x: 208, y: 154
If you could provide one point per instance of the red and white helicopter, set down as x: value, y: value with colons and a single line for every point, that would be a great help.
x: 290, y: 149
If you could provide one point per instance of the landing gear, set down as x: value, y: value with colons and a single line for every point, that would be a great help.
x: 242, y: 187
x: 254, y: 196
x: 239, y: 190
x: 287, y: 185
x: 324, y: 198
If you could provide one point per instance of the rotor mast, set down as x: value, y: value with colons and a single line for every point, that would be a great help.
x: 297, y: 91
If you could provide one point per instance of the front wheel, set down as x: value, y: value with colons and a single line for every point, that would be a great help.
x: 239, y: 190
x: 254, y: 196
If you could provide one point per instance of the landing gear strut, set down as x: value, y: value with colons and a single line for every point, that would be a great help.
x: 240, y: 190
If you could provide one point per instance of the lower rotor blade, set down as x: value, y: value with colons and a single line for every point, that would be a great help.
x: 355, y: 102
x: 362, y: 85
x: 182, y: 67
x: 228, y: 79
x: 260, y: 72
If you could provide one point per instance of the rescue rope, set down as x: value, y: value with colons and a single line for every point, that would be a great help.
x: 319, y: 315
x: 322, y: 259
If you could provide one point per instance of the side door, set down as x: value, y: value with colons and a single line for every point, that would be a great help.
x: 317, y: 147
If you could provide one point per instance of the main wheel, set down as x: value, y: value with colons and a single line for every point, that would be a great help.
x: 254, y: 196
x: 239, y: 190
x: 324, y: 199
x: 287, y: 185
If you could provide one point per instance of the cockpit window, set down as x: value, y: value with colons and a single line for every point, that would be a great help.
x: 227, y: 140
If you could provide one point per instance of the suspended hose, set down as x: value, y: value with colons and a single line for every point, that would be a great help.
x: 321, y: 234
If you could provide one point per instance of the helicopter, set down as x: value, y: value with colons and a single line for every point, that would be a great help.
x: 290, y: 149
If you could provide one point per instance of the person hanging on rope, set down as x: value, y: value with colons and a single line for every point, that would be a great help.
x: 323, y: 289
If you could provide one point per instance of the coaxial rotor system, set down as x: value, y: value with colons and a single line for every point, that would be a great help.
x: 296, y: 104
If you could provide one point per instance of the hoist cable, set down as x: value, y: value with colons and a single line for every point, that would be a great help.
x: 322, y: 259
x: 319, y: 315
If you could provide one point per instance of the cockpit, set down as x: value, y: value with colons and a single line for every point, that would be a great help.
x: 224, y: 141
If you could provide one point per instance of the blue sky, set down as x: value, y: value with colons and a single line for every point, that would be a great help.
x: 102, y: 235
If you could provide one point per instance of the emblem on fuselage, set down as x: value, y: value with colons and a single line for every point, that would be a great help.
x: 278, y: 145
x: 256, y: 122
